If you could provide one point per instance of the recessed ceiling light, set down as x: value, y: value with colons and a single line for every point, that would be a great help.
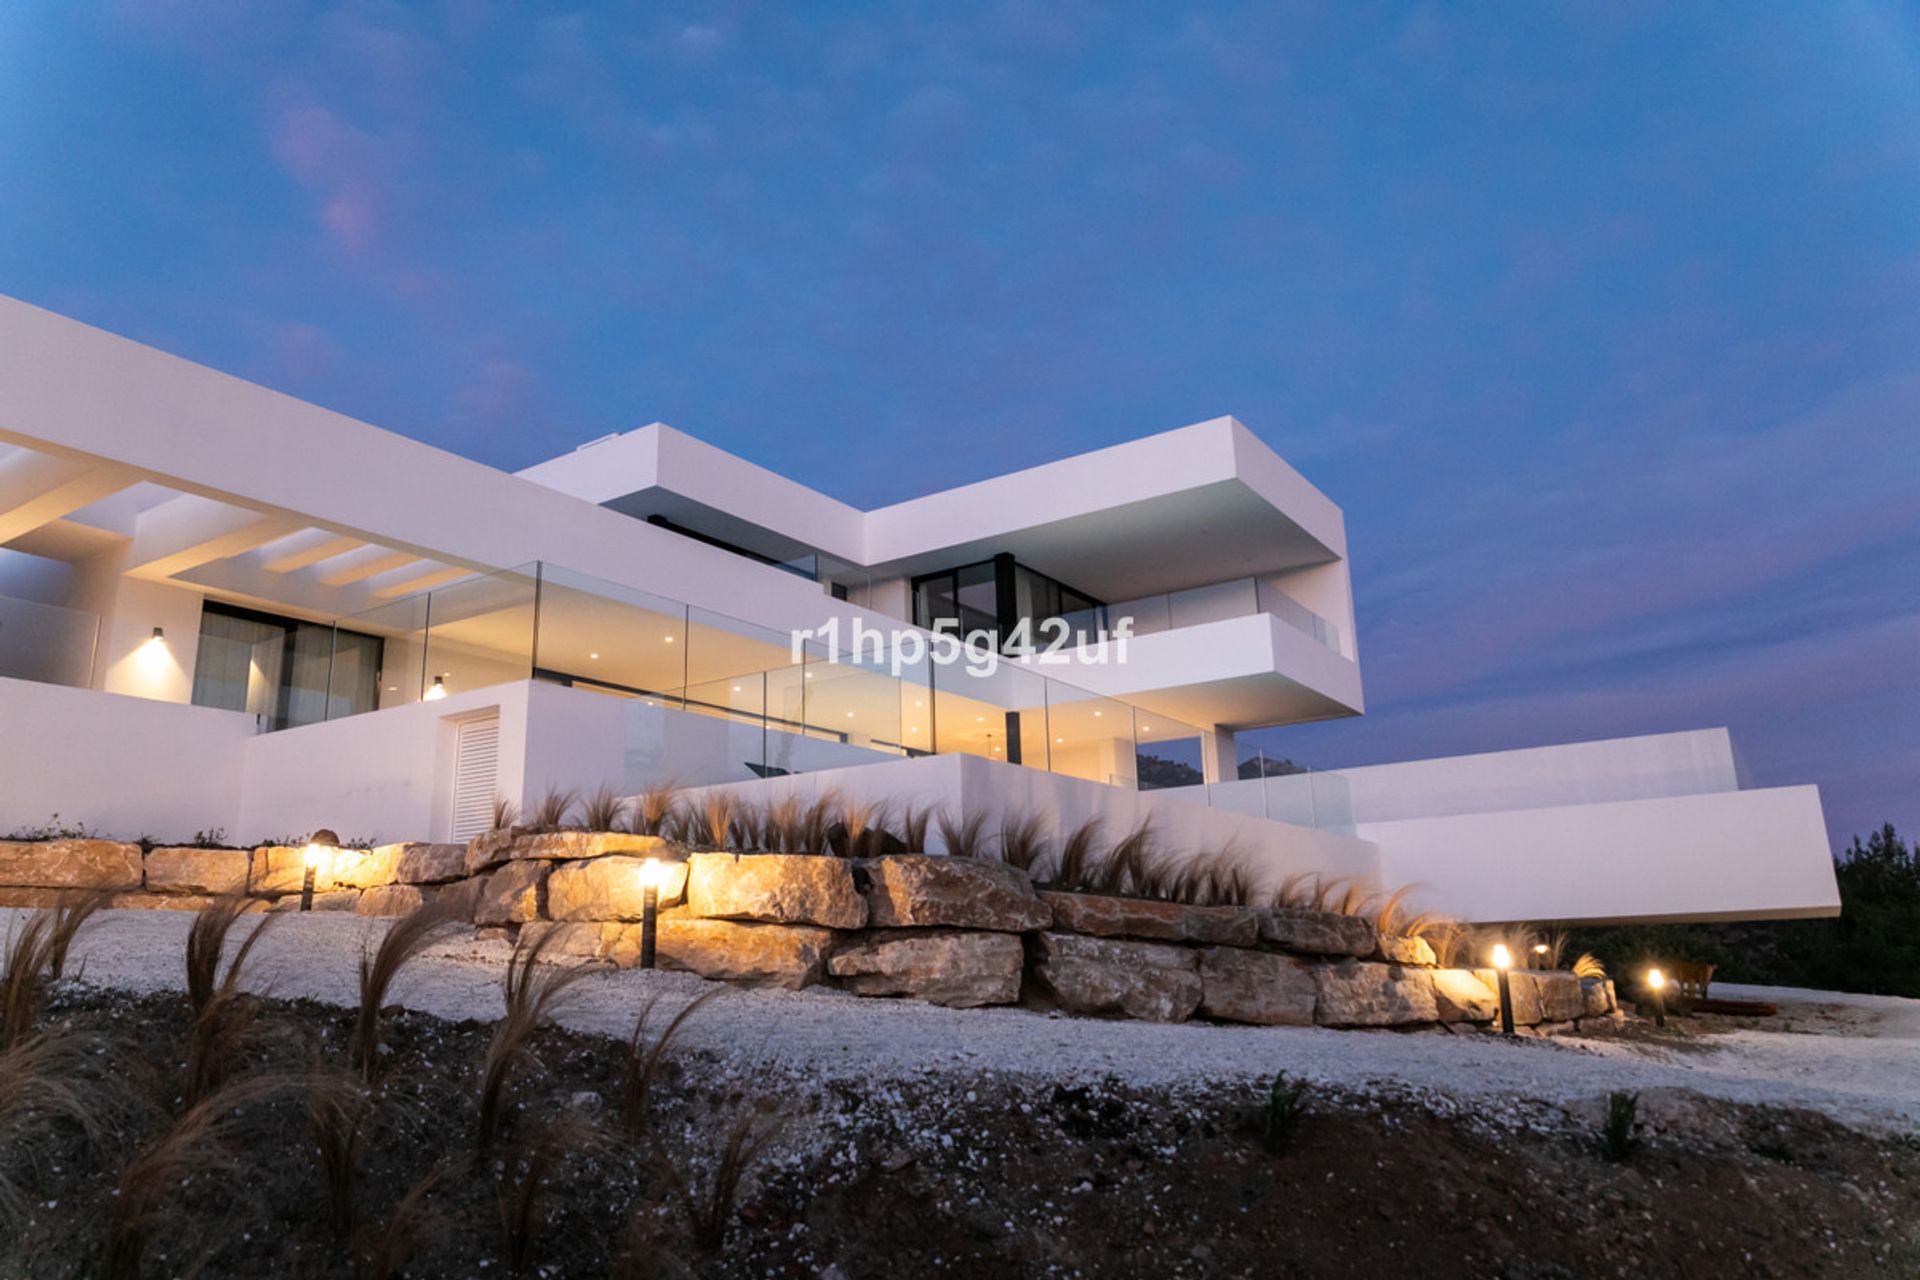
x: 594, y: 656
x: 1096, y: 715
x: 979, y: 719
x: 1062, y: 740
x: 736, y: 688
x: 668, y: 639
x: 849, y: 715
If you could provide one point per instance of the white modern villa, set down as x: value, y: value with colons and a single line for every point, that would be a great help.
x: 224, y: 608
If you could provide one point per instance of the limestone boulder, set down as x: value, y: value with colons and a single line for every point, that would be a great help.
x: 489, y: 849
x: 392, y: 900
x: 560, y: 846
x: 961, y: 969
x: 330, y: 900
x: 917, y: 889
x: 512, y: 895
x: 571, y: 941
x: 31, y: 898
x: 1145, y: 980
x: 1597, y: 994
x: 429, y: 863
x: 1356, y: 993
x: 1398, y: 950
x: 1260, y: 987
x: 1105, y: 916
x: 197, y: 871
x: 1461, y: 996
x: 778, y: 955
x: 611, y: 888
x: 69, y: 864
x: 1317, y: 933
x: 170, y: 902
x: 775, y: 888
x: 1560, y: 995
x: 283, y: 868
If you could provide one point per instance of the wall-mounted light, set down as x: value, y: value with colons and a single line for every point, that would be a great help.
x: 439, y: 689
x: 320, y: 845
x: 1503, y: 961
x: 159, y: 633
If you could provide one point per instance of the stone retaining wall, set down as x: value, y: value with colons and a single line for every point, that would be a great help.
x: 953, y: 931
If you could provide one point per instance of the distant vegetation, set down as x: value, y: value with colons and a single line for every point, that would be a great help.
x: 1873, y: 947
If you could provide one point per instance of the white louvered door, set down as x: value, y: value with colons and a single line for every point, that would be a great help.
x: 476, y: 758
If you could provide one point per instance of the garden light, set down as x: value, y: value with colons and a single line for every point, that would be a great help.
x: 1503, y: 961
x: 1657, y: 983
x: 1539, y: 955
x: 318, y: 845
x: 649, y: 908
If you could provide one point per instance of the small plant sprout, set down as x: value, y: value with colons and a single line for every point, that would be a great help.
x: 1281, y: 1117
x: 1617, y: 1136
x: 1503, y: 961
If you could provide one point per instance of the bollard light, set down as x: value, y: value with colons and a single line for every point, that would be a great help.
x: 649, y: 909
x: 1503, y: 961
x: 1539, y: 956
x: 1657, y: 983
x: 319, y: 844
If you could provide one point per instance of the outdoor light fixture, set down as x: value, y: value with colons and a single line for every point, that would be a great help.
x: 649, y: 908
x: 159, y: 633
x: 1539, y: 956
x: 439, y: 689
x: 1503, y: 961
x: 1657, y: 983
x: 317, y: 847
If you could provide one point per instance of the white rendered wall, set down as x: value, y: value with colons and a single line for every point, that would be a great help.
x: 126, y: 767
x: 1639, y: 768
x: 967, y: 784
x: 1728, y: 855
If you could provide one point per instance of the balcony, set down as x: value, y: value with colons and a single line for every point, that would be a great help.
x: 1197, y: 606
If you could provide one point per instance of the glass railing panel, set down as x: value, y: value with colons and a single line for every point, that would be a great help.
x: 479, y: 632
x: 1092, y: 736
x: 854, y: 705
x: 1168, y: 752
x: 995, y: 711
x: 1215, y: 602
x: 400, y: 664
x: 598, y: 634
x: 720, y: 647
x: 48, y: 643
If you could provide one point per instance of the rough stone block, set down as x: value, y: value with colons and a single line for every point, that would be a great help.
x: 791, y: 956
x: 963, y: 970
x: 1355, y: 993
x: 69, y: 864
x: 571, y: 845
x: 197, y: 871
x: 331, y: 900
x: 1110, y: 917
x: 429, y: 863
x: 917, y: 889
x: 1317, y: 933
x: 1107, y: 976
x: 512, y: 895
x: 610, y: 888
x: 391, y: 900
x: 781, y: 888
x: 1461, y: 996
x: 1398, y: 950
x: 1260, y: 987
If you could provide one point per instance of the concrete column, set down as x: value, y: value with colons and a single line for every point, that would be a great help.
x: 1219, y: 757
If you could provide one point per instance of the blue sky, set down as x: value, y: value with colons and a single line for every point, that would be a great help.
x: 1599, y: 321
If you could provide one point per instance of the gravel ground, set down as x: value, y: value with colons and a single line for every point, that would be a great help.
x: 1855, y: 1058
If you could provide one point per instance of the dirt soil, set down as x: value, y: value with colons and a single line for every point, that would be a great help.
x: 945, y: 1173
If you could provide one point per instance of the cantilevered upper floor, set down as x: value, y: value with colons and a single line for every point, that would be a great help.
x: 186, y: 511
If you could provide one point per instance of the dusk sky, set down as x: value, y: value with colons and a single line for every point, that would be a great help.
x: 1602, y: 323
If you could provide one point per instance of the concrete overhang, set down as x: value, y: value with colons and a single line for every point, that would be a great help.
x: 1238, y: 673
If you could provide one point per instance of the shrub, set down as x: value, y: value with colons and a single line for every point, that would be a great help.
x: 1617, y: 1137
x: 1280, y: 1118
x: 532, y: 994
x: 405, y: 940
x: 642, y: 1062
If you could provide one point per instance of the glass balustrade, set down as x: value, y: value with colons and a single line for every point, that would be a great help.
x: 779, y: 715
x: 47, y: 643
x: 1197, y: 606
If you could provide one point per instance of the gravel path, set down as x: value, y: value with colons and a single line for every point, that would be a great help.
x: 1856, y: 1058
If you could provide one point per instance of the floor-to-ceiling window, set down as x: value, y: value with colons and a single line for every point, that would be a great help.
x: 996, y: 596
x: 283, y: 669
